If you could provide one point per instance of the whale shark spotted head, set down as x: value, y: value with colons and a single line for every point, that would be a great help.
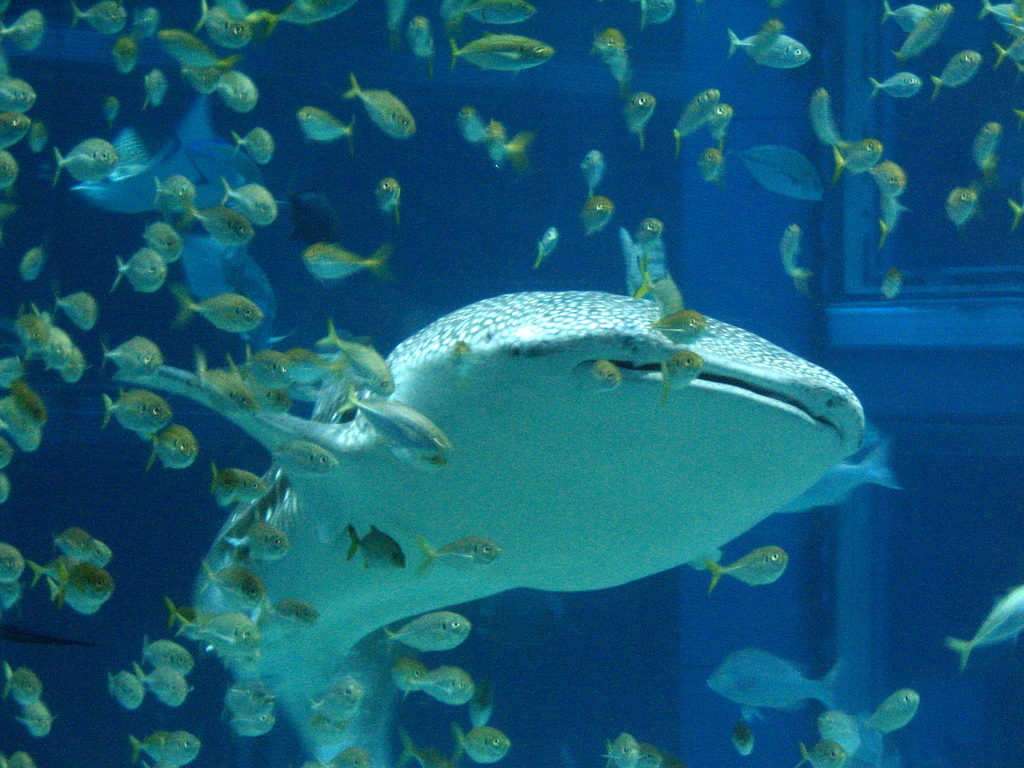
x: 582, y: 488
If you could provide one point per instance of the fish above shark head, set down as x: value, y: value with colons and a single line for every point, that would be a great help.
x: 194, y: 151
x: 582, y: 489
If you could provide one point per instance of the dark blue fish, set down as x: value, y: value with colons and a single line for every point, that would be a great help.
x: 784, y: 171
x: 314, y: 219
x: 194, y: 151
x: 213, y: 268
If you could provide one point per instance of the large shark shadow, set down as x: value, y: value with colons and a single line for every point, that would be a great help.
x: 582, y: 488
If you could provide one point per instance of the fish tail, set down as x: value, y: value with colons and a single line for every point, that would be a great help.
x: 378, y: 262
x: 516, y: 150
x: 716, y: 571
x: 886, y: 10
x: 428, y: 554
x: 962, y: 647
x: 354, y: 538
x: 120, y: 274
x: 840, y: 164
x: 108, y: 411
x: 57, y: 592
x: 646, y: 284
x: 76, y: 14
x: 235, y: 138
x: 430, y: 68
x: 455, y: 52
x: 540, y: 257
x: 1001, y: 55
x: 185, y: 306
x: 875, y: 86
x: 1018, y: 211
x: 37, y: 572
x: 877, y: 470
x: 734, y: 42
x: 460, y: 743
x: 640, y: 135
x: 350, y: 135
x: 173, y: 613
x: 136, y: 747
x: 204, y: 14
x: 884, y: 230
x: 937, y: 81
x: 804, y: 755
x: 8, y: 674
x: 827, y: 684
x: 353, y: 92
x: 679, y: 142
x: 409, y: 750
x: 986, y: 9
x: 152, y: 455
x: 60, y: 166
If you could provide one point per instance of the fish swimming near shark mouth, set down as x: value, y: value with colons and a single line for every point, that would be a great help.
x: 582, y: 489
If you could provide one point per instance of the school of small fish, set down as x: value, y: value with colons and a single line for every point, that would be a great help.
x: 269, y: 379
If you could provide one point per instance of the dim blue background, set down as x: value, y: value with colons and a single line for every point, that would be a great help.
x: 569, y: 670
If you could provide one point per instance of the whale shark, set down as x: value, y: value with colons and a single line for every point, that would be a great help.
x: 582, y: 488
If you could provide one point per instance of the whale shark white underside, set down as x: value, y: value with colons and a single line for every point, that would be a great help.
x: 582, y: 489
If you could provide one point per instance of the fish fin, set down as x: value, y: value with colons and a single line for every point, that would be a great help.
x: 428, y: 554
x: 961, y: 647
x: 716, y: 570
x: 1018, y: 210
x: 1001, y: 55
x: 204, y: 15
x: 136, y: 747
x: 378, y: 262
x: 840, y: 164
x: 37, y: 572
x: 350, y: 135
x: 60, y: 166
x: 185, y: 306
x: 57, y: 592
x: 174, y: 614
x: 877, y: 470
x: 131, y: 152
x: 455, y: 52
x: 408, y: 748
x: 460, y: 743
x: 120, y: 274
x: 827, y: 684
x: 750, y: 714
x: 734, y: 42
x: 108, y: 411
x: 354, y: 91
x: 196, y: 129
x: 354, y: 546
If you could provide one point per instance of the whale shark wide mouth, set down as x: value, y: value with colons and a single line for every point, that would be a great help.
x: 762, y: 390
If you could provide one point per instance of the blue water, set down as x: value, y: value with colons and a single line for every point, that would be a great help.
x: 888, y: 575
